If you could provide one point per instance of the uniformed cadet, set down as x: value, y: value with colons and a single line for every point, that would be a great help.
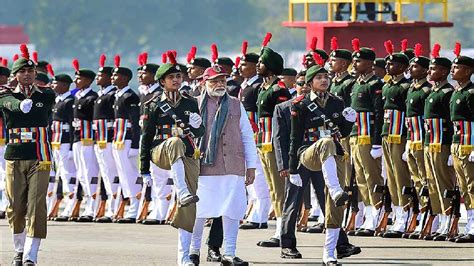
x: 394, y: 95
x: 259, y: 192
x: 438, y: 139
x: 126, y: 138
x: 196, y: 67
x: 170, y: 123
x: 83, y: 147
x: 272, y: 92
x: 151, y: 89
x: 308, y: 59
x: 61, y: 142
x: 319, y: 119
x: 288, y: 76
x: 103, y: 125
x: 341, y: 86
x: 365, y: 141
x: 233, y: 88
x: 414, y: 121
x: 27, y: 157
x: 4, y: 74
x: 379, y: 68
x: 462, y: 116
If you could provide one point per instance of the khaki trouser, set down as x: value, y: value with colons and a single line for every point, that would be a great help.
x: 313, y: 158
x: 346, y: 167
x: 398, y: 175
x: 440, y: 177
x: 275, y: 182
x: 368, y: 172
x: 465, y: 174
x: 416, y: 165
x: 26, y: 188
x: 165, y: 155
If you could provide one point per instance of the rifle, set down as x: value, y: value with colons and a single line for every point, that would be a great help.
x: 386, y: 203
x: 145, y: 199
x: 454, y: 210
x: 100, y: 204
x: 172, y: 211
x: 353, y: 192
x: 427, y: 222
x: 410, y: 225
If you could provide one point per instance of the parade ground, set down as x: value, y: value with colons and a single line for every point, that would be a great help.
x: 125, y: 244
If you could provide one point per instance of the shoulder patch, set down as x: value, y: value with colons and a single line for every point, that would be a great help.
x: 405, y: 86
x: 446, y: 90
x: 373, y: 82
x: 426, y: 89
x: 281, y: 84
x: 297, y: 99
x: 471, y: 91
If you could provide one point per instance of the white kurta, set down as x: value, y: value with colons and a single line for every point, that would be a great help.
x: 225, y: 195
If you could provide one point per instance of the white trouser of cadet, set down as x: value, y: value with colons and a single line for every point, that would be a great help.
x: 3, y: 198
x: 278, y: 228
x: 184, y: 241
x: 315, y: 208
x: 87, y: 167
x: 66, y: 169
x: 128, y: 174
x: 332, y: 235
x: 329, y: 168
x: 159, y: 191
x: 51, y: 196
x: 230, y: 228
x: 469, y: 229
x: 30, y: 252
x: 371, y: 217
x: 444, y: 222
x: 19, y: 241
x: 401, y: 217
x: 178, y: 175
x: 359, y: 219
x: 259, y: 194
x: 108, y: 172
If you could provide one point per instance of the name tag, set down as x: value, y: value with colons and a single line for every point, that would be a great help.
x: 325, y: 133
x: 26, y: 135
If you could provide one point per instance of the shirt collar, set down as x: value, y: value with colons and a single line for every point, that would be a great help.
x: 438, y: 85
x: 152, y: 88
x: 418, y: 83
x: 35, y: 89
x: 251, y: 80
x: 82, y: 93
x: 106, y: 90
x: 463, y: 86
x: 396, y: 79
x: 63, y: 96
x: 366, y: 77
x: 122, y: 91
x: 341, y: 76
x: 313, y: 95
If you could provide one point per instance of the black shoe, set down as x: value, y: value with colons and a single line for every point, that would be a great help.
x: 315, y: 229
x: 351, y: 232
x: 341, y: 200
x: 441, y: 237
x: 73, y: 219
x: 194, y: 259
x: 365, y: 232
x: 227, y: 261
x: 468, y: 238
x: 313, y: 218
x: 392, y: 234
x: 61, y: 219
x: 252, y: 225
x: 414, y: 235
x: 126, y: 221
x: 331, y: 263
x: 347, y: 250
x: 85, y: 219
x: 453, y: 239
x: 152, y: 221
x: 213, y: 254
x: 18, y: 259
x: 29, y: 263
x: 270, y: 243
x: 103, y: 220
x: 431, y: 236
x: 3, y: 215
x: 290, y: 253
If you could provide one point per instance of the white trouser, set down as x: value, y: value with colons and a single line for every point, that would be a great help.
x: 315, y: 208
x: 184, y: 240
x: 66, y: 169
x: 230, y: 228
x: 179, y: 179
x: 51, y: 196
x: 259, y: 194
x: 128, y: 174
x: 87, y: 168
x: 159, y: 191
x: 108, y: 172
x: 371, y: 217
x: 332, y: 235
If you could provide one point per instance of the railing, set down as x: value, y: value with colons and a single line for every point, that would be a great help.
x: 398, y: 7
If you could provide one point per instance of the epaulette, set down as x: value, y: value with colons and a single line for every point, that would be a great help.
x: 426, y: 89
x: 335, y: 96
x: 471, y: 91
x: 347, y: 82
x: 446, y: 90
x: 405, y: 85
x: 152, y: 99
x: 373, y: 82
x: 4, y: 90
x: 297, y: 99
x: 280, y: 85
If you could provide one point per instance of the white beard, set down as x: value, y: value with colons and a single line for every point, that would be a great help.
x: 216, y: 93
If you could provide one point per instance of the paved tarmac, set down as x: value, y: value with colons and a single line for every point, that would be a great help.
x: 125, y: 244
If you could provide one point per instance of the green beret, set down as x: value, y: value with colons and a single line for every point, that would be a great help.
x: 184, y: 68
x: 289, y: 72
x: 410, y: 53
x: 86, y: 73
x: 225, y: 61
x: 42, y: 77
x: 422, y: 61
x: 42, y: 64
x: 342, y: 53
x: 441, y: 61
x: 272, y: 60
x: 63, y: 78
x: 21, y: 63
x: 167, y: 69
x: 312, y: 71
x: 123, y: 71
x: 364, y: 53
x: 106, y: 70
x: 320, y: 52
x: 464, y: 60
x: 201, y: 62
x: 379, y: 62
x: 250, y: 57
x: 399, y: 58
x: 151, y: 68
x: 4, y: 71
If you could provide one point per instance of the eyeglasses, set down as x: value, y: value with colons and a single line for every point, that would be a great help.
x: 300, y: 83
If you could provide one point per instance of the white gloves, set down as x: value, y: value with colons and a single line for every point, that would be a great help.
x: 349, y: 114
x: 195, y: 120
x: 132, y: 153
x: 296, y: 180
x: 376, y: 151
x: 70, y: 155
x: 450, y: 160
x: 147, y: 181
x: 25, y: 105
x: 471, y: 157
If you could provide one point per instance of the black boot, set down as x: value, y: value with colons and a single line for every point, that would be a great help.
x: 290, y: 253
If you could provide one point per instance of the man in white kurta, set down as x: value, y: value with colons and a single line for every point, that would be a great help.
x: 227, y: 164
